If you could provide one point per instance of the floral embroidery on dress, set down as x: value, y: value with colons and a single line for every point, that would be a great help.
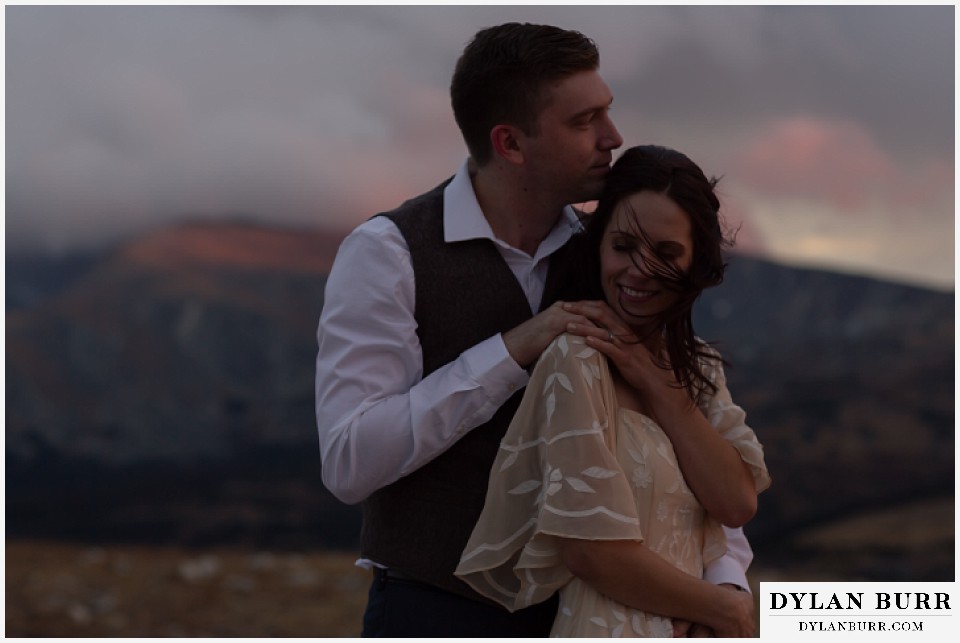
x: 642, y: 475
x: 656, y: 626
x: 562, y: 471
x: 554, y: 479
x: 642, y: 478
x: 662, y: 510
x: 616, y: 629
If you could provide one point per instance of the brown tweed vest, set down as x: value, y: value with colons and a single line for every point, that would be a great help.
x: 465, y: 293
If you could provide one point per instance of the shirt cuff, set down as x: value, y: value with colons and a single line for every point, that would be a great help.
x: 490, y: 365
x: 726, y: 570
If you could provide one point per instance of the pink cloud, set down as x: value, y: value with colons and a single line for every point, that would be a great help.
x: 836, y: 161
x: 929, y: 184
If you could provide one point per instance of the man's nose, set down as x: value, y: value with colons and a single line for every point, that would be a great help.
x: 611, y: 138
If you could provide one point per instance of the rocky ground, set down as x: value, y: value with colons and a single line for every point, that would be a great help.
x: 69, y: 590
x: 56, y: 589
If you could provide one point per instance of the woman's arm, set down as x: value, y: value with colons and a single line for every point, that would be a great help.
x: 711, y: 466
x: 629, y: 573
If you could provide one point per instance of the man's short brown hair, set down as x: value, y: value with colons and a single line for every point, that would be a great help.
x: 503, y: 72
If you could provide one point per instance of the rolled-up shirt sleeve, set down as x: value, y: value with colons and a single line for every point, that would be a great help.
x: 377, y: 418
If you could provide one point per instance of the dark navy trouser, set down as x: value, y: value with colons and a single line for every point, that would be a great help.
x: 405, y: 608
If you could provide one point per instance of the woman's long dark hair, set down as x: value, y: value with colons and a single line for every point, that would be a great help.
x: 668, y: 172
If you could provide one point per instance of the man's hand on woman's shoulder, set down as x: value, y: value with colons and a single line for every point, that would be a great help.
x: 526, y: 342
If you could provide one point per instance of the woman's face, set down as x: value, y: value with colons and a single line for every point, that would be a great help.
x: 630, y: 284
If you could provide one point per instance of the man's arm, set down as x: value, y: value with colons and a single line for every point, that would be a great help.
x: 369, y: 391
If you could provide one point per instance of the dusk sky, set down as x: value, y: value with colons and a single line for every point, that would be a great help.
x: 833, y: 127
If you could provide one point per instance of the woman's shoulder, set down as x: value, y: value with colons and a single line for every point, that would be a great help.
x: 568, y: 353
x: 707, y: 350
x: 567, y: 346
x: 709, y: 358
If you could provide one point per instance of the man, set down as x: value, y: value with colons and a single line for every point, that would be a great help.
x: 434, y: 311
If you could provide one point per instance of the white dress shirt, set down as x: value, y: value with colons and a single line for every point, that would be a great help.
x: 369, y: 391
x: 378, y: 418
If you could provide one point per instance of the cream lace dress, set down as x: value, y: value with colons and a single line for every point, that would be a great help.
x: 574, y: 464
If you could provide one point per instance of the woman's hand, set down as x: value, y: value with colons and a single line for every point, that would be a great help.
x: 712, y: 468
x: 687, y: 630
x: 610, y: 335
x: 603, y: 322
x: 739, y: 616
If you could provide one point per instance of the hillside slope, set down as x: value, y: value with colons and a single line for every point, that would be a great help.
x: 166, y: 395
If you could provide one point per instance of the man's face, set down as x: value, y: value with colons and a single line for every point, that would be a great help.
x: 571, y: 153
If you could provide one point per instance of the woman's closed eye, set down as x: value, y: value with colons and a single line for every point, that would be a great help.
x: 670, y: 251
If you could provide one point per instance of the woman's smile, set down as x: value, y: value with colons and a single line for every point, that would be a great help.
x: 639, y: 295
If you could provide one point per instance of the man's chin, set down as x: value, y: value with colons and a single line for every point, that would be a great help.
x: 590, y: 192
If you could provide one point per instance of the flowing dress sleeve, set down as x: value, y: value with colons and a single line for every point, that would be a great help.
x: 730, y: 420
x: 555, y: 475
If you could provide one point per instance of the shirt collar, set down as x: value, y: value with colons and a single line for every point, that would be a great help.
x: 463, y: 219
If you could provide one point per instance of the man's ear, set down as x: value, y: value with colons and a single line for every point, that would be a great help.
x: 505, y: 140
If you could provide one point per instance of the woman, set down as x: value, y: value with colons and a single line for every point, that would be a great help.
x: 627, y: 453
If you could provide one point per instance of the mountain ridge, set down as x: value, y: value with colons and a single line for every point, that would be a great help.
x: 167, y: 393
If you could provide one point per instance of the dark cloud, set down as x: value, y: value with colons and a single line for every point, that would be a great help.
x: 889, y: 68
x: 123, y: 117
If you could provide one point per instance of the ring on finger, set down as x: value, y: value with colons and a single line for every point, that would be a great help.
x: 610, y: 335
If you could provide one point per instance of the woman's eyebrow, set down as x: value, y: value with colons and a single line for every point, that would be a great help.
x: 671, y: 244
